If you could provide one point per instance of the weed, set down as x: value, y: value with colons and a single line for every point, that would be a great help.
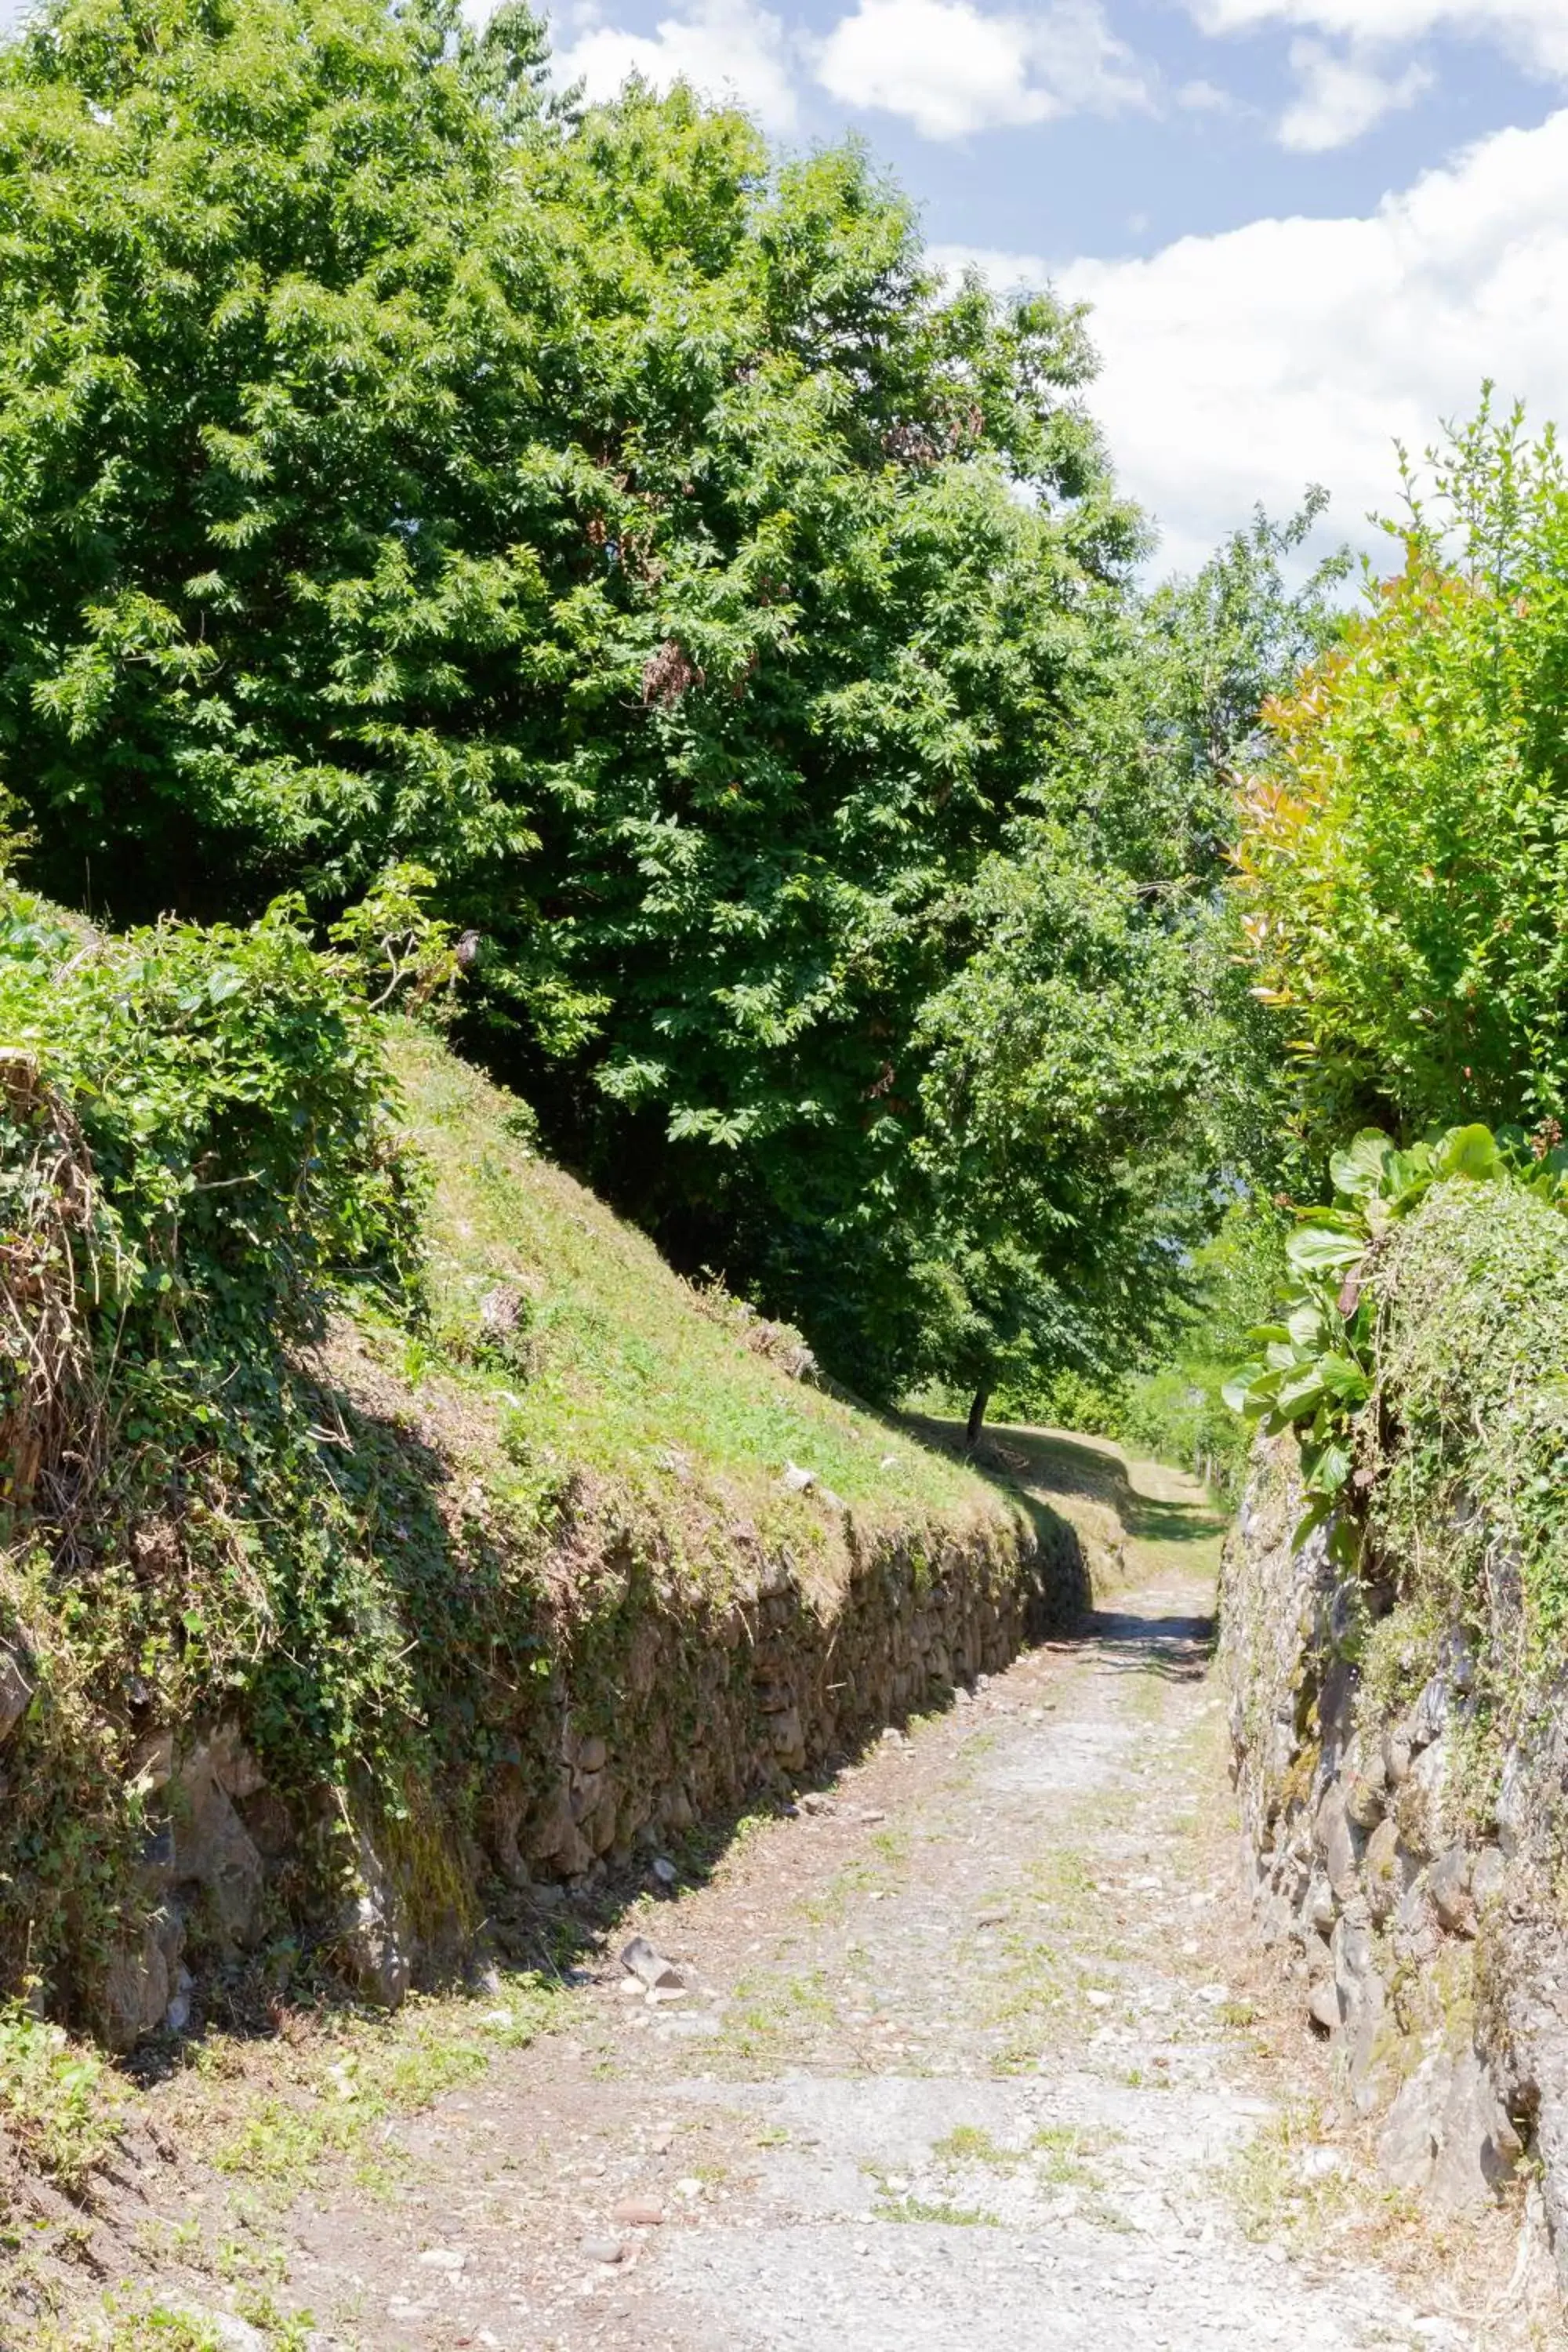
x: 770, y: 2016
x: 1061, y: 2150
x: 893, y: 2201
x: 922, y: 2209
x: 971, y: 2144
x: 1274, y: 2193
x: 289, y: 2111
x: 57, y: 2101
x: 285, y: 2331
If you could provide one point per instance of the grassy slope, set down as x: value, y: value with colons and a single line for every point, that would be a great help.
x: 630, y: 1376
x: 1133, y: 1517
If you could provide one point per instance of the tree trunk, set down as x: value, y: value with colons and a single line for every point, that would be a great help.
x: 976, y: 1418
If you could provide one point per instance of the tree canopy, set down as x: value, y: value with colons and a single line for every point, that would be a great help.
x: 736, y: 622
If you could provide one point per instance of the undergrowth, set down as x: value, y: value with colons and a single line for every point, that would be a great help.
x: 1470, y: 1507
x: 198, y: 1151
x: 57, y: 2102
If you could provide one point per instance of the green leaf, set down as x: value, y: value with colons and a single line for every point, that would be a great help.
x: 1298, y: 1398
x: 1325, y: 1467
x: 1251, y: 1389
x: 1469, y: 1151
x: 1361, y: 1167
x: 1325, y: 1248
x: 1308, y: 1326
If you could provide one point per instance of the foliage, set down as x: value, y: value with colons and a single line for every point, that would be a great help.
x: 231, y: 1097
x: 260, y: 364
x: 212, y: 1110
x: 1098, y: 1083
x: 1467, y: 1509
x: 1177, y: 1411
x: 1318, y: 1363
x: 1175, y: 714
x: 56, y: 2102
x: 622, y: 528
x: 1402, y: 854
x: 1062, y: 1060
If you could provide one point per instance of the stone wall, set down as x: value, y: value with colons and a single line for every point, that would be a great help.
x: 667, y: 1706
x: 1417, y: 1915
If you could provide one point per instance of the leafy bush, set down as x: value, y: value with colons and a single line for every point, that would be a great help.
x: 1402, y: 852
x: 1320, y: 1362
x: 57, y: 2104
x: 196, y: 1145
x: 1467, y: 1515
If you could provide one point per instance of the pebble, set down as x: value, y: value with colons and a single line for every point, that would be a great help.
x: 638, y: 2213
x: 648, y: 1963
x: 665, y: 1871
x: 608, y: 2250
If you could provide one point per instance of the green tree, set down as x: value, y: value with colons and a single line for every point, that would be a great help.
x: 1069, y: 1175
x: 1404, y: 841
x: 1100, y: 1086
x: 624, y: 530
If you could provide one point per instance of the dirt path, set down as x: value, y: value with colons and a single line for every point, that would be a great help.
x: 969, y: 2061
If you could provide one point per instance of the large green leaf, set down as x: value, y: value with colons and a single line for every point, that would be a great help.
x: 1252, y: 1389
x: 1307, y: 1326
x: 1470, y: 1151
x: 1325, y: 1467
x: 1300, y: 1396
x: 1361, y: 1167
x: 1344, y: 1378
x: 1325, y: 1249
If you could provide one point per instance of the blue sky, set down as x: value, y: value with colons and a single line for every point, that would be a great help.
x: 1307, y: 226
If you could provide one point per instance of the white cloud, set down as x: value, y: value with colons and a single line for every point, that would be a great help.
x: 1340, y: 97
x: 1534, y: 31
x: 1205, y: 97
x: 1240, y: 367
x: 726, y: 48
x: 949, y: 68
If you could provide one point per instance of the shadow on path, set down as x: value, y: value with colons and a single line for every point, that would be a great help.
x: 1175, y: 1649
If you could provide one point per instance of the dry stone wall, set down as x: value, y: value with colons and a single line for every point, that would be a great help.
x: 1421, y: 1921
x: 673, y: 1707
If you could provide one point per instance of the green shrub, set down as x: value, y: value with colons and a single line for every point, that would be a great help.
x: 197, y: 1146
x: 1470, y: 1508
x: 1403, y: 847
